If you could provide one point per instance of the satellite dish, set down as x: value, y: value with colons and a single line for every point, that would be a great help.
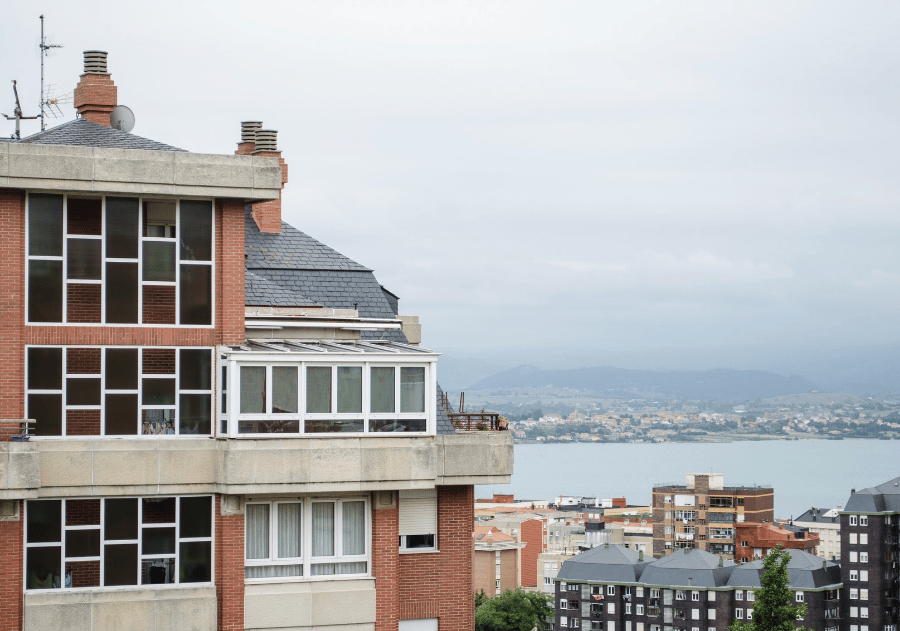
x: 121, y: 118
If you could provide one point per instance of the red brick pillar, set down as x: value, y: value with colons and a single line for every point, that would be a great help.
x: 229, y: 318
x: 456, y: 519
x: 229, y: 568
x: 12, y: 309
x: 386, y: 560
x: 12, y: 544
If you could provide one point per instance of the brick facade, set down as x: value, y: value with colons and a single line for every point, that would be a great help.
x: 386, y: 566
x: 229, y: 569
x: 12, y: 543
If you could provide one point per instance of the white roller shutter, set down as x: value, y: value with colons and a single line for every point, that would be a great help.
x: 418, y: 512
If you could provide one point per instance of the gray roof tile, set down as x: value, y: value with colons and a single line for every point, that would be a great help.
x: 805, y: 571
x: 83, y: 133
x: 260, y: 292
x: 877, y: 499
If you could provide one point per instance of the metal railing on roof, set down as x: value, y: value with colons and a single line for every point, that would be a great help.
x: 472, y: 421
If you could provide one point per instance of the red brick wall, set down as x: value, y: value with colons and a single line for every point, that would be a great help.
x: 12, y: 304
x: 95, y: 97
x: 439, y: 585
x: 267, y: 215
x: 13, y: 545
x: 229, y: 569
x: 386, y: 567
x: 229, y: 318
x: 532, y: 535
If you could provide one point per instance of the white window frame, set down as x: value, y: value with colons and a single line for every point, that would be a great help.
x: 141, y: 283
x: 739, y: 614
x: 853, y: 520
x: 799, y: 597
x: 610, y: 590
x: 863, y: 520
x: 418, y: 511
x: 854, y: 575
x: 639, y: 609
x: 308, y: 561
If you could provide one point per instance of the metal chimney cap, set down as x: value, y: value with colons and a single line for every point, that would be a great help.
x: 266, y: 140
x: 95, y: 62
x: 249, y: 129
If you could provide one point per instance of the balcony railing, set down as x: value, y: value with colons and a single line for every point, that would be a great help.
x: 16, y: 430
x: 472, y: 421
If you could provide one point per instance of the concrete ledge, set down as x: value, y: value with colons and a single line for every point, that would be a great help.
x: 161, y: 609
x: 475, y: 458
x: 134, y: 171
x: 20, y: 470
x: 348, y: 605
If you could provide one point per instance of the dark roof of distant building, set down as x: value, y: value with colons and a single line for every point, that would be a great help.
x: 83, y: 133
x: 884, y: 498
x: 818, y: 515
x: 604, y: 564
x: 805, y: 571
x: 688, y: 568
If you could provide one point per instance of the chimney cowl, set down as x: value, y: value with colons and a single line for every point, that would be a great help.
x: 266, y: 140
x: 95, y: 62
x: 249, y: 129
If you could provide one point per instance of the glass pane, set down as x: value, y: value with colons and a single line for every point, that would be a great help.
x: 195, y: 371
x: 84, y: 216
x: 284, y: 389
x: 159, y: 219
x: 313, y: 426
x: 382, y: 386
x: 349, y: 389
x: 121, y: 227
x: 46, y: 411
x: 84, y: 260
x: 269, y: 426
x: 394, y: 425
x: 253, y: 389
x: 195, y: 292
x: 121, y: 414
x: 323, y: 529
x: 412, y: 389
x: 352, y: 568
x: 121, y: 518
x: 257, y: 537
x: 83, y: 391
x: 195, y: 414
x: 196, y: 230
x: 272, y: 571
x: 196, y: 516
x: 159, y: 261
x: 288, y: 531
x: 158, y: 391
x: 82, y: 543
x: 83, y: 512
x: 157, y: 571
x: 158, y: 541
x: 318, y: 390
x: 121, y: 293
x: 196, y: 560
x: 158, y: 510
x: 120, y: 564
x: 45, y: 227
x: 42, y: 568
x: 44, y: 521
x: 45, y: 281
x: 45, y: 368
x: 83, y: 573
x: 354, y: 528
x: 121, y: 368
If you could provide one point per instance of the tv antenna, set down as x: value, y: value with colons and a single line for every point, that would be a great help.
x: 17, y: 112
x: 46, y: 101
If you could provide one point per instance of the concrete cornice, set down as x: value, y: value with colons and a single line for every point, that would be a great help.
x: 65, y: 168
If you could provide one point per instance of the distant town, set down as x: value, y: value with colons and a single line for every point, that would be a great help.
x: 557, y: 416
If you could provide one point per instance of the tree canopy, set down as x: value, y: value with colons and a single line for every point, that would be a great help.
x: 774, y: 609
x: 514, y: 610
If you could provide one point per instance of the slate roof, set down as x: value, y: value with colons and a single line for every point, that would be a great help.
x: 604, y: 564
x: 444, y: 426
x: 302, y: 266
x: 261, y: 292
x: 820, y: 515
x: 697, y: 568
x: 884, y: 498
x: 805, y: 571
x: 83, y: 133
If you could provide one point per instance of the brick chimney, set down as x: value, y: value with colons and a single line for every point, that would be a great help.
x: 95, y: 95
x: 264, y: 142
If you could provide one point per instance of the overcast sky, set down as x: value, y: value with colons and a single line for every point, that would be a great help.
x: 657, y: 184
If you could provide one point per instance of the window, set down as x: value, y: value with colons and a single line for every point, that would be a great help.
x: 312, y: 398
x: 863, y: 557
x: 563, y: 621
x: 119, y: 260
x: 864, y: 575
x: 638, y: 592
x: 695, y: 614
x: 573, y: 623
x: 853, y: 538
x: 679, y: 594
x: 739, y: 594
x: 854, y: 575
x: 314, y: 537
x: 739, y: 614
x: 611, y: 608
x: 108, y: 542
x: 749, y: 614
x: 864, y: 538
x: 654, y: 592
x: 695, y: 596
x: 563, y: 603
x: 119, y: 391
x: 863, y: 594
x: 418, y: 520
x: 639, y: 610
x: 711, y: 614
x: 863, y: 520
x: 711, y: 596
x: 573, y: 587
x: 852, y: 520
x: 863, y: 612
x: 627, y: 607
x: 610, y: 590
x: 799, y: 597
x: 548, y: 580
x: 751, y: 595
x: 854, y: 612
x: 854, y: 556
x: 854, y: 594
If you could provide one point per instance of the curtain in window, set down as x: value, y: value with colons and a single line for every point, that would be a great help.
x: 382, y: 389
x: 288, y: 531
x: 323, y: 529
x: 354, y: 528
x: 284, y: 389
x: 257, y: 535
x: 412, y: 389
x: 253, y: 389
x: 349, y: 389
x: 318, y: 390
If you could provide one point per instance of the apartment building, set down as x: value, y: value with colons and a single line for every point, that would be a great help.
x: 496, y: 561
x: 870, y: 558
x: 612, y: 588
x: 755, y: 539
x: 825, y: 522
x: 210, y: 419
x: 702, y: 513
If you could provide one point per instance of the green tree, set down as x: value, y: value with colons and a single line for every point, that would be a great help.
x: 774, y: 609
x: 514, y: 610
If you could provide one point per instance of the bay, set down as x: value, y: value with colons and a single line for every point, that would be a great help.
x: 804, y: 473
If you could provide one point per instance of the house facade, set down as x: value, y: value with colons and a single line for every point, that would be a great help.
x: 825, y: 522
x: 211, y: 420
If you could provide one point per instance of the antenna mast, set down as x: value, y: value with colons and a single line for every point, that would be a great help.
x: 17, y: 112
x: 45, y: 47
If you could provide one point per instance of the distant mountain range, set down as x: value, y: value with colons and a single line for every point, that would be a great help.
x: 716, y: 385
